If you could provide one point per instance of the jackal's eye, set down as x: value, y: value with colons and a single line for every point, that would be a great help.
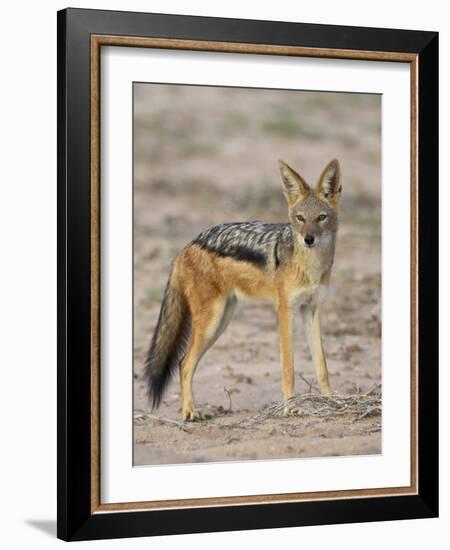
x: 300, y: 218
x: 322, y: 217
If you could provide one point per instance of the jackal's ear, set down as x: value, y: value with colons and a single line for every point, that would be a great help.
x: 295, y: 187
x: 329, y: 187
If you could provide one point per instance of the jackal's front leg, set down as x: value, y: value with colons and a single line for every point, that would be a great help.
x: 311, y: 321
x: 286, y: 355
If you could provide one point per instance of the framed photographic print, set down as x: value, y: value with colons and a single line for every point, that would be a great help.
x: 247, y: 255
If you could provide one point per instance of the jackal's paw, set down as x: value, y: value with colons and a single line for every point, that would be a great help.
x: 327, y: 391
x: 191, y: 415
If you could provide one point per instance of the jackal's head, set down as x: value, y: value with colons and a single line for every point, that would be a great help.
x: 313, y: 212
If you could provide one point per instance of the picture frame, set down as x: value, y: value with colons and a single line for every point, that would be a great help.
x: 81, y: 36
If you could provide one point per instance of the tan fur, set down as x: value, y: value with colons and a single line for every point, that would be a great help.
x: 210, y: 284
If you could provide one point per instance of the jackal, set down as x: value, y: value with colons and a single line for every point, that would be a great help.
x: 287, y: 263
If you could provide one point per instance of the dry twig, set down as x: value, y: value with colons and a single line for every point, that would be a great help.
x: 373, y: 389
x: 310, y: 384
x: 143, y: 416
x: 230, y: 406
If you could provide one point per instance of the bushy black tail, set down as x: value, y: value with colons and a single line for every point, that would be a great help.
x: 168, y: 344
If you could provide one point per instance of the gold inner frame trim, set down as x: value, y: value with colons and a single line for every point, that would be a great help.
x: 97, y: 41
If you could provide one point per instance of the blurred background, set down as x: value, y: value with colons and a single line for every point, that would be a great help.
x: 207, y: 155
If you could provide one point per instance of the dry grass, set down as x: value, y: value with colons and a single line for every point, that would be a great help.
x: 307, y: 405
x: 359, y: 405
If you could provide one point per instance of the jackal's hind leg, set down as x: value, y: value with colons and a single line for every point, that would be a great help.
x: 207, y: 325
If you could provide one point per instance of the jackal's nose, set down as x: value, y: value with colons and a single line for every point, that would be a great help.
x: 309, y: 240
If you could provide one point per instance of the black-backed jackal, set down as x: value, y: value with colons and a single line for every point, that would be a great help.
x: 287, y: 263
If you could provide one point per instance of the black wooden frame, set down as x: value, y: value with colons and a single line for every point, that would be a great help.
x: 75, y: 520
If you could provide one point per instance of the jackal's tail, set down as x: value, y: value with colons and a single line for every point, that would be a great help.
x: 168, y: 344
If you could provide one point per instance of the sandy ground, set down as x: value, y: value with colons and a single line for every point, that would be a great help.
x: 208, y: 155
